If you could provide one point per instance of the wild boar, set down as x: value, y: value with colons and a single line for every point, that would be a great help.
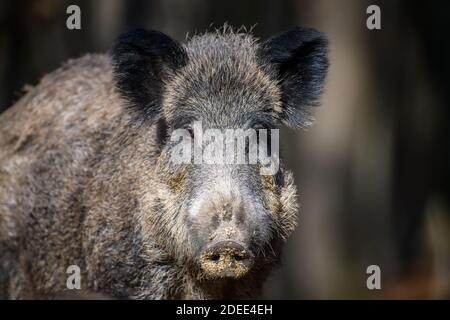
x: 86, y: 176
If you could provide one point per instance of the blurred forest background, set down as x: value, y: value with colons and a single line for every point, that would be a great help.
x: 373, y: 171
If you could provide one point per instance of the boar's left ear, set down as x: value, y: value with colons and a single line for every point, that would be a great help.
x: 142, y: 61
x: 301, y: 63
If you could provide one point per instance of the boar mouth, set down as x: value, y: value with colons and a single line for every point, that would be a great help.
x: 226, y: 259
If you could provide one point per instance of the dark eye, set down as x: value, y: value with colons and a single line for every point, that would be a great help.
x: 185, y: 124
x: 260, y: 130
x: 190, y: 130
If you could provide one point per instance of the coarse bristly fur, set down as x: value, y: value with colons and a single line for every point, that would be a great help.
x: 85, y: 176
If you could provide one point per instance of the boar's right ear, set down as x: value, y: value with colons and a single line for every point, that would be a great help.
x: 142, y: 61
x: 299, y: 57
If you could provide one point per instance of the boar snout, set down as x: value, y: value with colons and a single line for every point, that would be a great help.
x: 226, y: 228
x: 226, y: 259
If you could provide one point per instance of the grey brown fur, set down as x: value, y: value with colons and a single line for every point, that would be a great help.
x: 85, y: 178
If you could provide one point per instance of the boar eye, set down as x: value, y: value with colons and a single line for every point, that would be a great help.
x: 268, y: 140
x: 189, y: 129
x: 259, y: 126
x: 184, y: 123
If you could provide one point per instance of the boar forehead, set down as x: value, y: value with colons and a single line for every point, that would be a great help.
x: 224, y: 84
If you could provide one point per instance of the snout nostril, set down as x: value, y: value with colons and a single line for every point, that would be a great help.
x: 226, y: 259
x: 215, y: 257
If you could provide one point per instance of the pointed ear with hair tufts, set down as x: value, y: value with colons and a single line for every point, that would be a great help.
x: 142, y: 61
x: 301, y: 63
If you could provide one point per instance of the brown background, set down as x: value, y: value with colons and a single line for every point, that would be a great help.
x: 373, y: 172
